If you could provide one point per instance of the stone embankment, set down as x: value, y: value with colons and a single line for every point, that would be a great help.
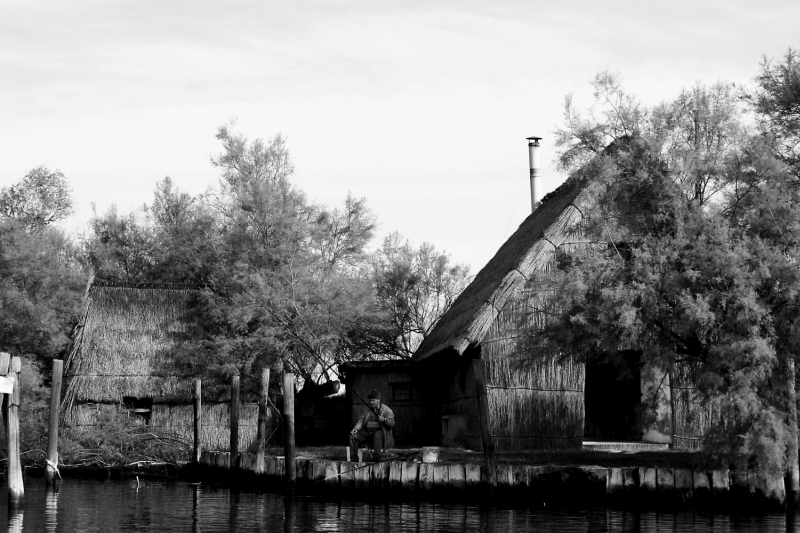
x: 575, y: 486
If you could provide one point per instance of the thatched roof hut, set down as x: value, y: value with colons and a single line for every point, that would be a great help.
x: 526, y: 253
x: 541, y: 406
x: 122, y: 357
x: 529, y: 408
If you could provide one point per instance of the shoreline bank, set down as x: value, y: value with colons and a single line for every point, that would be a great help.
x: 643, y: 487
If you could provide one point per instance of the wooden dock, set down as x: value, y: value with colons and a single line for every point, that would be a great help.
x: 580, y: 486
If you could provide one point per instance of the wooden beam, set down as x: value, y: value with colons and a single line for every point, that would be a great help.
x: 198, y: 422
x: 234, y: 421
x: 52, y: 430
x: 16, y: 489
x: 261, y: 436
x: 478, y: 367
x: 288, y: 432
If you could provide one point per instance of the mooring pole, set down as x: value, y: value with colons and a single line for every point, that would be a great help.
x: 486, y: 436
x: 16, y: 490
x: 261, y: 436
x: 198, y: 409
x: 234, y: 421
x: 52, y: 430
x: 288, y: 432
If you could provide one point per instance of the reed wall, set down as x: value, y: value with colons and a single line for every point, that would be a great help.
x: 532, y: 405
x: 693, y: 415
x: 178, y: 421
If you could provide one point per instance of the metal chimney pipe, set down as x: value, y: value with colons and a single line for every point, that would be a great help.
x: 536, y: 167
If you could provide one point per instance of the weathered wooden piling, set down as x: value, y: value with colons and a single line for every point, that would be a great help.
x: 234, y: 420
x: 16, y: 489
x: 261, y: 435
x: 52, y: 429
x: 332, y: 469
x: 198, y: 423
x: 288, y: 431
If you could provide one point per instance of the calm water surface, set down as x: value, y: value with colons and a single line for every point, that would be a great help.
x: 110, y: 506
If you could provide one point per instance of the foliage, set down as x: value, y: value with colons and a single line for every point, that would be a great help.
x: 41, y: 198
x: 414, y: 287
x: 40, y: 289
x: 121, y: 248
x: 777, y: 100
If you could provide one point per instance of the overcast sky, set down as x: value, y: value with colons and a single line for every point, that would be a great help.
x: 422, y: 107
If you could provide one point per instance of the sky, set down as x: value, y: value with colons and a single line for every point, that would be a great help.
x: 421, y: 107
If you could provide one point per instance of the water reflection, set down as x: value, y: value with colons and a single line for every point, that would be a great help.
x: 110, y: 506
x: 51, y: 510
x: 289, y: 514
x: 15, y: 521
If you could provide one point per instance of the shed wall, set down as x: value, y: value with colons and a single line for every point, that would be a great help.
x: 399, y: 392
x: 531, y: 405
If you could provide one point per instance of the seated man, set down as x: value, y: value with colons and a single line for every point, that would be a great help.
x: 375, y: 424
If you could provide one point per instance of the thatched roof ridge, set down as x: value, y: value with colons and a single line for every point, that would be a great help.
x: 525, y: 252
x: 101, y: 283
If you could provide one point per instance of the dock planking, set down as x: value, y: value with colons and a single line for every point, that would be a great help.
x: 532, y: 484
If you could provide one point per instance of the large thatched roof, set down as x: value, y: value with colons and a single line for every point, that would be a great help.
x: 126, y: 341
x: 527, y: 251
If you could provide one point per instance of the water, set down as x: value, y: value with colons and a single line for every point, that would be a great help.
x: 155, y: 505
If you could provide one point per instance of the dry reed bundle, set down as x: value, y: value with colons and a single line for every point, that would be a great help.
x: 522, y: 418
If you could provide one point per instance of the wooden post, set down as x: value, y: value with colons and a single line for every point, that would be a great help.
x: 261, y: 436
x: 52, y: 431
x: 288, y: 431
x: 234, y: 421
x: 483, y: 411
x: 198, y: 410
x: 792, y: 468
x: 16, y: 490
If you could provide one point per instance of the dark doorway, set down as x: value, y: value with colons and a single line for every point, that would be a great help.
x: 141, y: 408
x: 613, y: 398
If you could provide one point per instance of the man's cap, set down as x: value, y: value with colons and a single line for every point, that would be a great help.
x: 374, y: 395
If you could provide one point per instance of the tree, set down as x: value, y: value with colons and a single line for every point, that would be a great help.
x: 693, y: 261
x: 777, y: 102
x: 40, y: 276
x: 41, y: 284
x: 414, y: 286
x: 41, y: 198
x: 120, y: 248
x: 289, y: 281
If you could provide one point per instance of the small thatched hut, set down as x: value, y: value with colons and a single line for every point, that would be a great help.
x: 531, y: 408
x: 122, y: 357
x: 549, y: 406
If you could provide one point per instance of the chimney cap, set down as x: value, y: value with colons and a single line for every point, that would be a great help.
x: 535, y: 140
